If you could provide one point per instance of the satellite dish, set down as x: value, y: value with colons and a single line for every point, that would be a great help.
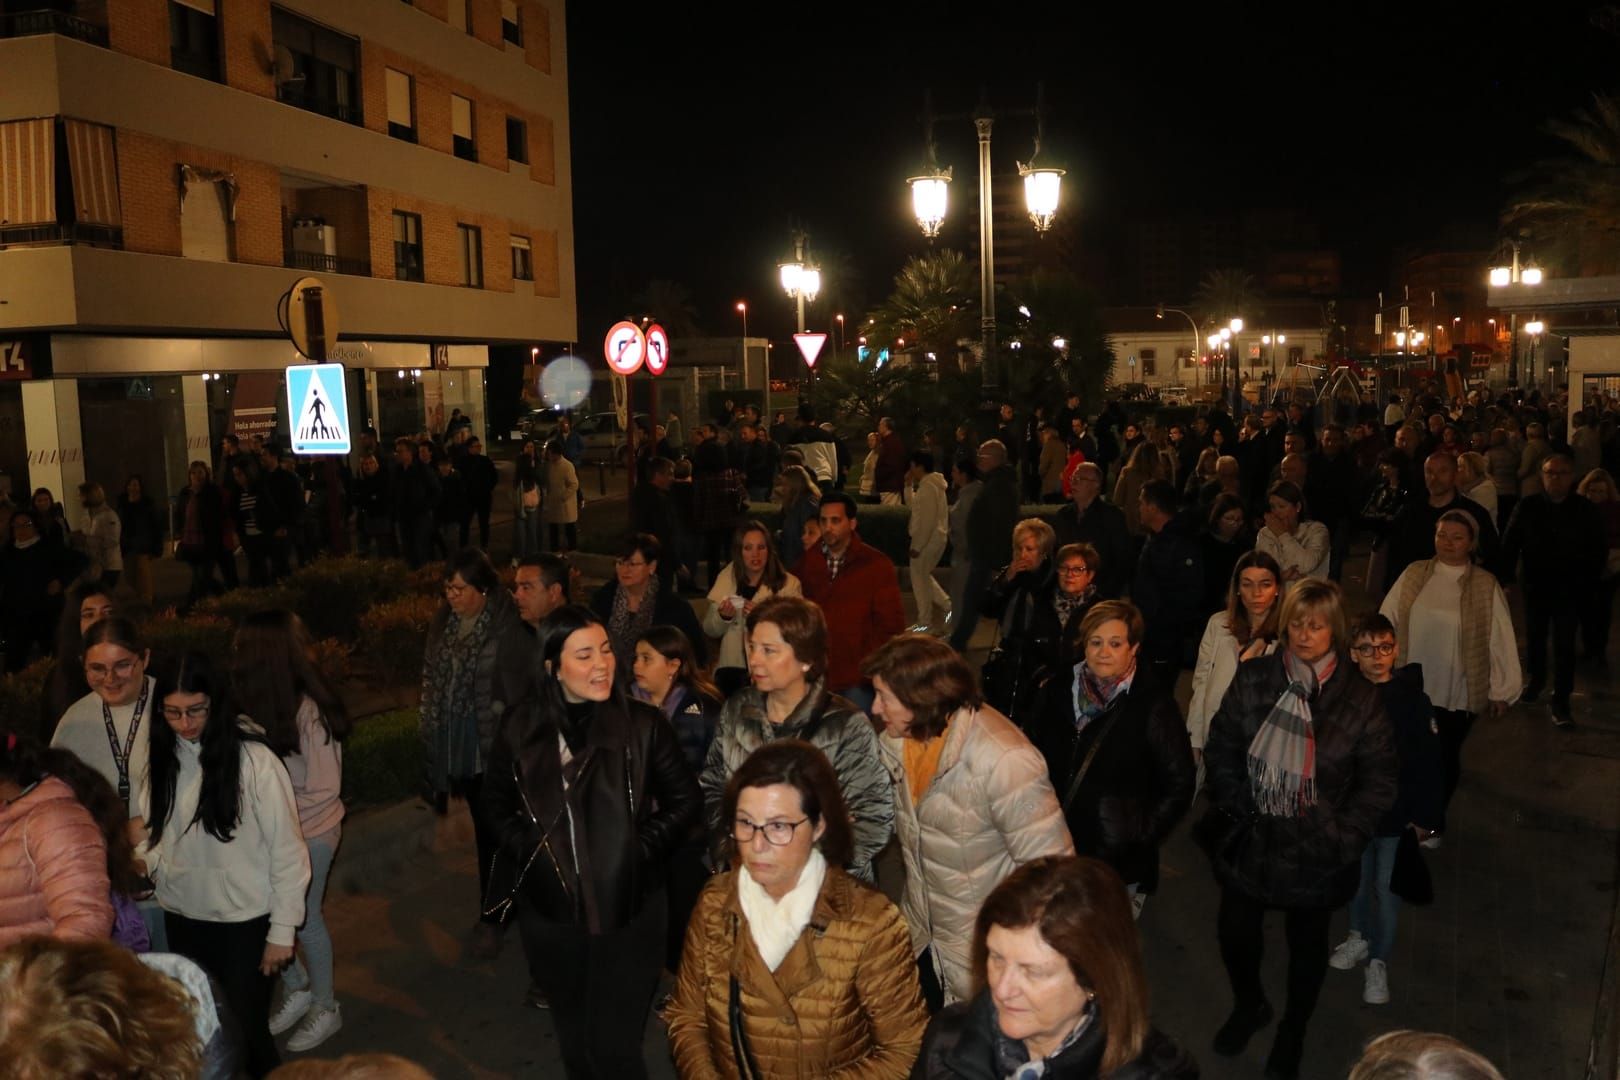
x: 285, y: 68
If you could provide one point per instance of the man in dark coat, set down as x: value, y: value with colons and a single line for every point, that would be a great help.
x: 478, y: 476
x: 280, y: 511
x: 1169, y: 585
x: 653, y: 510
x: 1332, y: 493
x: 1092, y: 519
x: 989, y: 529
x: 1411, y: 534
x: 416, y: 493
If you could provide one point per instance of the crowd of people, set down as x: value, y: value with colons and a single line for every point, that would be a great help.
x: 707, y: 790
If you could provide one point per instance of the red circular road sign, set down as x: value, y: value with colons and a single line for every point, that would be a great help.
x: 625, y: 348
x: 657, y: 349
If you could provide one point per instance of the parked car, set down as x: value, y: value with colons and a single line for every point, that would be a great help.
x: 1176, y: 395
x: 538, y: 424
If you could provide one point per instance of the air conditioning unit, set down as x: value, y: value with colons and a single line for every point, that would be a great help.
x: 315, y: 240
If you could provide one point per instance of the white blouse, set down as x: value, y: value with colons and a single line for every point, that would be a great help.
x: 1306, y: 549
x: 1434, y: 638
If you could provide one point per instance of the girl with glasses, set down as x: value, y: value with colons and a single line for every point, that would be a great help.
x: 789, y: 934
x: 221, y: 841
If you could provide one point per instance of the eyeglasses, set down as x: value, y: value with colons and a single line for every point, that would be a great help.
x: 1073, y: 571
x: 198, y: 711
x: 1386, y: 648
x: 98, y: 672
x: 630, y: 564
x: 777, y: 833
x: 452, y: 589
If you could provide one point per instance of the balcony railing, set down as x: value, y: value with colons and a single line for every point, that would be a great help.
x: 30, y: 23
x: 41, y: 235
x: 327, y: 264
x: 291, y: 94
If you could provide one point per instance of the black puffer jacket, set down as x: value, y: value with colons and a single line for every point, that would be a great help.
x: 1421, y: 799
x: 1312, y: 860
x: 960, y: 1044
x: 1032, y: 640
x: 1141, y: 782
x: 632, y: 803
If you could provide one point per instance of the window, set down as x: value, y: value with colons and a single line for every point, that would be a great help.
x: 194, y: 38
x: 461, y: 128
x: 401, y: 106
x: 522, y: 259
x: 517, y: 140
x: 1185, y: 358
x: 511, y: 22
x: 1296, y: 355
x: 460, y: 15
x: 315, y: 68
x: 1150, y: 362
x: 471, y: 240
x: 407, y: 246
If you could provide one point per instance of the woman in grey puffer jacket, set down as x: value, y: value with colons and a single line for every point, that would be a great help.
x: 787, y: 657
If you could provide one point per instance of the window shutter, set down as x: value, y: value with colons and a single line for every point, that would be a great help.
x: 399, y: 98
x: 461, y: 117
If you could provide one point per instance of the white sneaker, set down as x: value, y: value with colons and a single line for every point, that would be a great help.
x: 1351, y: 951
x: 318, y: 1026
x: 1375, y: 991
x: 293, y: 1008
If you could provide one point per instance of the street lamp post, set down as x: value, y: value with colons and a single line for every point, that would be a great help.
x: 1534, y: 328
x: 1273, y: 339
x: 801, y: 279
x: 1042, y: 186
x: 1159, y: 314
x: 1514, y: 274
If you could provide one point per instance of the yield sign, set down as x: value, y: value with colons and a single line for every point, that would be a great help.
x: 810, y: 346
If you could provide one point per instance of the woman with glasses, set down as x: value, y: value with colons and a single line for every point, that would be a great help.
x: 1040, y: 599
x: 636, y: 599
x: 590, y: 796
x: 1300, y: 768
x: 462, y: 705
x: 972, y: 801
x: 754, y: 575
x: 791, y: 967
x: 1244, y: 629
x: 108, y: 727
x: 221, y: 841
x: 1452, y: 618
x: 33, y: 573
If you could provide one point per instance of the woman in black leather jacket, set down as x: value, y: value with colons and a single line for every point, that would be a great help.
x: 591, y: 795
x: 1140, y: 780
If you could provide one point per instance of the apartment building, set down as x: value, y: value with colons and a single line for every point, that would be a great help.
x: 168, y: 168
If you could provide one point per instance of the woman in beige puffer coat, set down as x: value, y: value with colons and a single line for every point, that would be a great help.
x: 973, y: 801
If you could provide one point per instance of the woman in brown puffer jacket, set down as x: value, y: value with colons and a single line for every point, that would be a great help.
x: 53, y: 859
x: 792, y: 968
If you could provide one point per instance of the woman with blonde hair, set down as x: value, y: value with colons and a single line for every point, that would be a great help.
x: 1145, y: 464
x: 1012, y: 597
x: 1063, y: 994
x: 1299, y: 769
x: 1421, y: 1055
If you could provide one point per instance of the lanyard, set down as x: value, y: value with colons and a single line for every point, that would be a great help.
x: 121, y: 757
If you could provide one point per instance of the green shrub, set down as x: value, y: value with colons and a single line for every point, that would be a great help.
x: 332, y: 660
x: 425, y: 580
x: 331, y: 594
x: 21, y: 695
x: 238, y: 604
x: 394, y: 635
x: 169, y: 635
x: 383, y: 759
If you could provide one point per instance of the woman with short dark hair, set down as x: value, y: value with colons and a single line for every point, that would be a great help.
x: 1300, y: 547
x: 1116, y: 748
x: 589, y: 796
x: 1225, y: 539
x: 1063, y: 994
x: 789, y: 699
x: 462, y: 704
x: 972, y: 801
x: 789, y: 933
x: 1299, y: 769
x: 636, y: 599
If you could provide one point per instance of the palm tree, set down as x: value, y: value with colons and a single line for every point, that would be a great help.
x: 1227, y: 293
x: 1572, y: 204
x: 668, y: 303
x: 1061, y: 309
x: 932, y: 307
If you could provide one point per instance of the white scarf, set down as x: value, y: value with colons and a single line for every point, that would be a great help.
x: 777, y: 924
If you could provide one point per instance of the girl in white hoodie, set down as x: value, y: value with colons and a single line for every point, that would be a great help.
x: 221, y: 841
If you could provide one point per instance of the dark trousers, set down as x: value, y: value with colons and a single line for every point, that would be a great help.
x: 557, y: 533
x: 417, y: 535
x: 257, y: 549
x: 1556, y: 617
x: 279, y: 548
x: 687, y: 876
x: 1453, y: 725
x: 485, y: 838
x: 1242, y: 936
x: 1597, y: 616
x: 231, y: 953
x: 1339, y: 549
x: 481, y: 512
x: 600, y: 987
x: 202, y: 577
x: 717, y: 549
x: 933, y: 993
x: 978, y: 579
x: 1504, y: 510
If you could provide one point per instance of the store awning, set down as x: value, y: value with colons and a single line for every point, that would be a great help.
x: 28, y: 172
x: 93, y: 163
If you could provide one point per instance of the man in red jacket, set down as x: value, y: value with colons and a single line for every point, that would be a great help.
x: 859, y: 592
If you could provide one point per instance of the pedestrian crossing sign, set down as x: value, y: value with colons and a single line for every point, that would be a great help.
x: 318, y: 402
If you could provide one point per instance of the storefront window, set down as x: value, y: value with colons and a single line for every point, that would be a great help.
x: 13, y: 444
x: 136, y: 426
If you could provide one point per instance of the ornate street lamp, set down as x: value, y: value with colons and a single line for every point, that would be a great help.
x: 801, y: 279
x: 1041, y: 189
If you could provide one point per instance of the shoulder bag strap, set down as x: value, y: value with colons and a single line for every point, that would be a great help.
x: 747, y: 1068
x: 1091, y: 755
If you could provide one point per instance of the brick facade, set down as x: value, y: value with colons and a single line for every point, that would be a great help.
x: 149, y: 197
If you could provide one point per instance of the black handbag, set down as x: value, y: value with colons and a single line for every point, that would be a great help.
x: 747, y: 1067
x: 1409, y: 878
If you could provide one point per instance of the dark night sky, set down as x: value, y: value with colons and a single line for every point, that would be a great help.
x: 695, y: 144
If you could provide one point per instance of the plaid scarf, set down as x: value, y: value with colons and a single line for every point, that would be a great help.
x: 1012, y: 1056
x: 1064, y: 604
x: 1093, y: 695
x: 1282, y: 755
x: 835, y: 563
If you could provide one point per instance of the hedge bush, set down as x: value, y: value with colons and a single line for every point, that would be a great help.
x: 238, y: 604
x: 169, y: 635
x: 394, y: 635
x: 331, y: 594
x: 21, y: 697
x: 332, y: 658
x: 383, y: 759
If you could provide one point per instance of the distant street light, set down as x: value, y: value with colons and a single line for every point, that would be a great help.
x: 1514, y: 274
x: 801, y: 279
x: 1535, y: 328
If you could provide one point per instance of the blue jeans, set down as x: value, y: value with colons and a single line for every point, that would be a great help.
x: 317, y: 943
x: 526, y: 533
x: 1377, y: 926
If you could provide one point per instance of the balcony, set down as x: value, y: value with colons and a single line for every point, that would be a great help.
x: 31, y: 23
x: 107, y: 236
x: 326, y: 264
x: 293, y: 94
